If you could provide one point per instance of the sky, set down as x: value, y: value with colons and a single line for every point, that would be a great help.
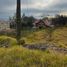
x: 36, y: 8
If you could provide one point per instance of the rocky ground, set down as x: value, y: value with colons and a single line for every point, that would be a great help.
x: 46, y: 47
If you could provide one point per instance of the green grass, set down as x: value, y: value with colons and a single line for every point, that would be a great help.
x: 20, y: 57
x: 35, y: 36
x: 17, y: 56
x: 58, y: 36
x: 7, y: 41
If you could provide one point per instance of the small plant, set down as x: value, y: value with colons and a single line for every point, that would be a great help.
x: 6, y: 41
x: 22, y: 41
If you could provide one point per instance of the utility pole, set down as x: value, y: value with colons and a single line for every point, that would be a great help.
x: 18, y: 21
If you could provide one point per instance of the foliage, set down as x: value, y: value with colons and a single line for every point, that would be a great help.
x: 26, y: 22
x: 59, y: 20
x: 6, y: 41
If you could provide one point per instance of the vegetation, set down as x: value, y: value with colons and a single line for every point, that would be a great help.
x: 14, y: 50
x: 6, y: 41
x: 20, y: 57
x: 27, y: 22
x: 58, y: 36
x: 18, y: 21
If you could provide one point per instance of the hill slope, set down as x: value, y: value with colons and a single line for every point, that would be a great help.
x: 58, y: 37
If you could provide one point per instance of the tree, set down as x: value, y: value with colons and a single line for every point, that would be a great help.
x: 27, y: 22
x: 18, y: 20
x: 59, y: 20
x: 12, y: 21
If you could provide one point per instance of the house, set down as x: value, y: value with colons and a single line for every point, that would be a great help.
x: 41, y: 23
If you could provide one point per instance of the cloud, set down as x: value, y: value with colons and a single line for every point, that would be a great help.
x: 33, y: 7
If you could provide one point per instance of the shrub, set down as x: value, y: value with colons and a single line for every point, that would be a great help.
x: 6, y: 41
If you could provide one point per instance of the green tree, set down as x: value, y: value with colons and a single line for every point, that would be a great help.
x: 27, y: 22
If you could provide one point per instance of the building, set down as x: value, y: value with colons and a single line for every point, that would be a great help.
x: 42, y: 23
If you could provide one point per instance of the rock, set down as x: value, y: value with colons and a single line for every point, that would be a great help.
x: 45, y: 47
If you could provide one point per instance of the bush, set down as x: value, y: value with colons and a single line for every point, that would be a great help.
x: 6, y: 41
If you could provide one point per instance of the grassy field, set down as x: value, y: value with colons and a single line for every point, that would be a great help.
x: 18, y: 56
x: 58, y: 36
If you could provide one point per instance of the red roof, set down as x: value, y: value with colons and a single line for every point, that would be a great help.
x: 46, y: 22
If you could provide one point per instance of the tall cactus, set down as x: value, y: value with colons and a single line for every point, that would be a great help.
x: 18, y: 20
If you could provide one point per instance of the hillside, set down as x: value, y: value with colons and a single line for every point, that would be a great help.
x: 58, y: 36
x: 19, y: 56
